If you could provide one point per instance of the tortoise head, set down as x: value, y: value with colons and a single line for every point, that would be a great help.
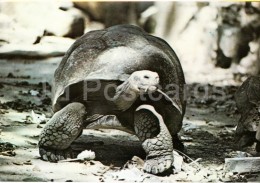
x: 144, y: 81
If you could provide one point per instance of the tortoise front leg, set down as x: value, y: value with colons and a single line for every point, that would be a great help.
x: 62, y: 129
x: 157, y: 141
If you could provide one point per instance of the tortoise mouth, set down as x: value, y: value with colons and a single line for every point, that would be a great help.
x: 175, y: 104
x: 148, y: 89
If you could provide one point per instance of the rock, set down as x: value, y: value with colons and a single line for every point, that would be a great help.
x: 70, y: 23
x: 112, y: 10
x: 28, y: 162
x: 31, y: 143
x: 94, y: 9
x: 65, y: 5
x: 135, y: 162
x: 230, y: 41
x: 56, y: 47
x: 57, y: 41
x: 24, y: 22
x: 242, y: 165
x: 36, y: 118
x: 18, y: 162
x: 255, y: 5
x: 129, y: 175
x: 250, y: 64
x: 219, y: 168
x: 240, y: 154
x: 139, y: 161
x: 86, y: 155
x: 186, y: 139
x: 34, y: 179
x: 30, y: 51
x: 189, y: 169
x: 93, y: 25
x: 39, y: 126
x: 223, y: 34
x: 238, y: 26
x: 196, y: 177
x: 181, y: 176
x: 110, y: 13
x: 212, y: 178
x: 33, y: 92
x: 226, y: 178
x: 12, y: 32
x: 178, y: 161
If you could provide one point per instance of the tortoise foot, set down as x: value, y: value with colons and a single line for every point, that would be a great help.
x: 55, y: 155
x: 158, y: 164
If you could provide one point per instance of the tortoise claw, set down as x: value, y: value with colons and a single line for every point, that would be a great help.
x: 55, y: 155
x: 158, y: 165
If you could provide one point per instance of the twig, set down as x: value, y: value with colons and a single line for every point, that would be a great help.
x: 193, y: 161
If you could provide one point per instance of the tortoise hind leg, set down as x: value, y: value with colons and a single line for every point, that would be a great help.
x: 63, y: 128
x: 157, y: 141
x: 173, y: 121
x: 177, y: 143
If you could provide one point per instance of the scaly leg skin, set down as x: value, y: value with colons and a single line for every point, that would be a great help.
x: 62, y: 129
x: 157, y: 141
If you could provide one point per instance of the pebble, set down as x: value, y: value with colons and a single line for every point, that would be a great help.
x: 86, y: 155
x: 10, y: 75
x: 181, y: 176
x: 213, y: 177
x: 36, y: 168
x: 135, y: 162
x: 39, y: 126
x: 34, y: 92
x: 28, y: 162
x: 18, y: 163
x: 195, y: 178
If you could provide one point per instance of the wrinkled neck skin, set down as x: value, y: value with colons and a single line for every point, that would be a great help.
x: 126, y: 95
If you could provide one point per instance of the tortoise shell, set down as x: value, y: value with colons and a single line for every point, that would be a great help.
x: 113, y: 54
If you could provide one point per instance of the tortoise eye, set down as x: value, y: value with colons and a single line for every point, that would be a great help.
x: 146, y: 77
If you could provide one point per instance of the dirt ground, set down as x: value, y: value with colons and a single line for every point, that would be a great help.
x: 208, y: 134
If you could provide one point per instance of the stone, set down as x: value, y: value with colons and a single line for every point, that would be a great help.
x: 93, y: 25
x: 178, y: 161
x: 110, y: 13
x: 24, y: 23
x: 94, y: 9
x: 250, y: 64
x: 242, y: 165
x: 36, y: 168
x: 12, y: 32
x: 49, y: 47
x: 68, y: 23
x: 86, y: 155
x: 229, y: 41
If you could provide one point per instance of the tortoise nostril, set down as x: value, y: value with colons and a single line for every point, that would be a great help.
x: 146, y: 77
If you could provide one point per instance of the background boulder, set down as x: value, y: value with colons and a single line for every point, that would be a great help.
x: 29, y: 21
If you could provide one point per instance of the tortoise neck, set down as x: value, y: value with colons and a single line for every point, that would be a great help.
x: 125, y: 96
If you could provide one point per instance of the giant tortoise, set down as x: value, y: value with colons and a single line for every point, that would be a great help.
x: 118, y: 71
